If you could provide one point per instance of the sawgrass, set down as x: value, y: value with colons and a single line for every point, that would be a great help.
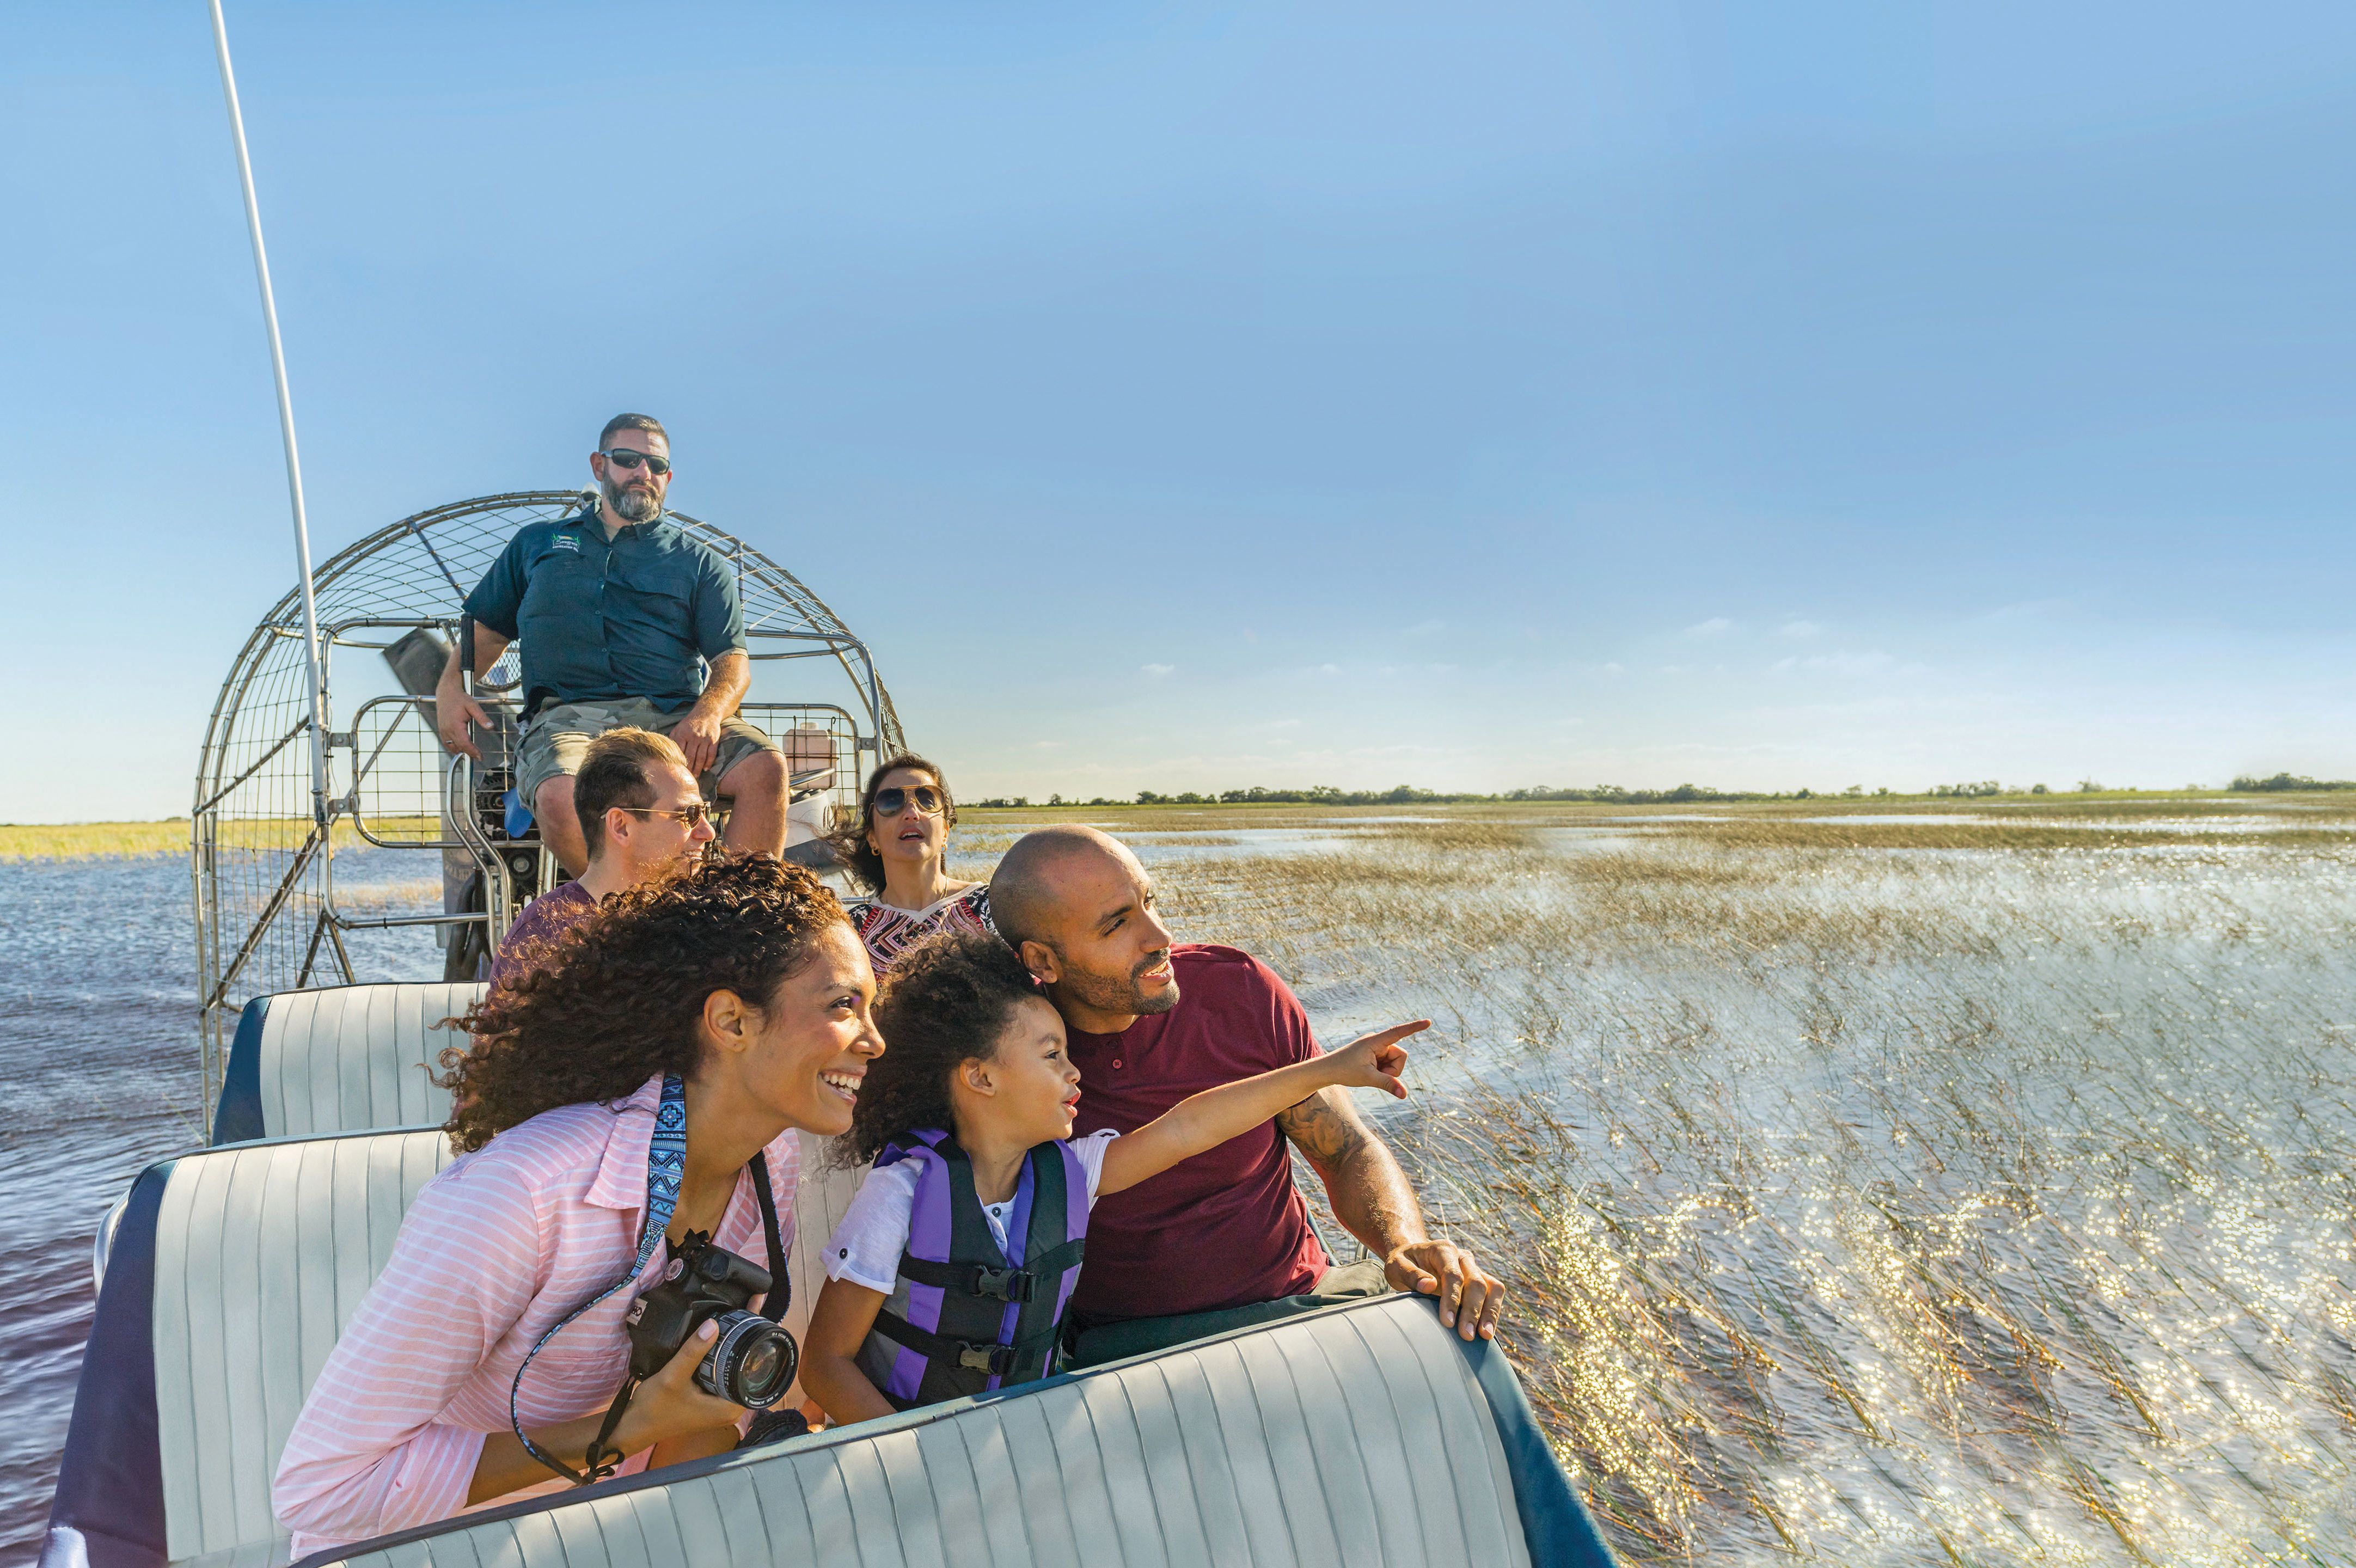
x: 1876, y: 1206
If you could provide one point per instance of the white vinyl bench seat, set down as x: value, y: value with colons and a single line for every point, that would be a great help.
x: 339, y: 1059
x: 1357, y: 1435
x: 232, y: 1275
x: 1361, y: 1434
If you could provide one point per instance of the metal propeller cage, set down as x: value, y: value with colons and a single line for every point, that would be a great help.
x: 263, y: 860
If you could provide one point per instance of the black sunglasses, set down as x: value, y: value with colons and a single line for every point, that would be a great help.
x: 889, y: 802
x: 624, y: 457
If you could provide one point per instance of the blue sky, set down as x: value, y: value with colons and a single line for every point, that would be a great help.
x: 1199, y: 397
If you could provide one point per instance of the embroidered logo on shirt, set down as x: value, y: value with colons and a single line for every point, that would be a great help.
x: 566, y: 541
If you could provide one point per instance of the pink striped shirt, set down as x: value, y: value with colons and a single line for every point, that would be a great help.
x: 495, y: 1250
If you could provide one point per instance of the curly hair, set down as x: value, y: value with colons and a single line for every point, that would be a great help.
x: 945, y: 1002
x: 620, y: 996
x: 849, y: 838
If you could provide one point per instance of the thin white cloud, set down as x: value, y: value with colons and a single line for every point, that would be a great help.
x: 1800, y: 629
x: 1716, y: 627
x: 1426, y: 628
x: 1158, y: 670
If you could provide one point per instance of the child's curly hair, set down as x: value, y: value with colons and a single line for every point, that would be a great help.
x: 945, y: 1002
x: 618, y: 997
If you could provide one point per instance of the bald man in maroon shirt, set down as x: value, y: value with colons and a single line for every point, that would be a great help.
x: 1221, y: 1241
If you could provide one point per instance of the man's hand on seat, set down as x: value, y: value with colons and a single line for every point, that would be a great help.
x: 1470, y: 1295
x: 698, y: 735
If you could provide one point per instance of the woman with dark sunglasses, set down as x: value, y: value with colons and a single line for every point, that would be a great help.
x: 897, y: 847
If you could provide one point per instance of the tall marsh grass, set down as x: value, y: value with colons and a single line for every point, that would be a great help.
x: 1906, y: 1193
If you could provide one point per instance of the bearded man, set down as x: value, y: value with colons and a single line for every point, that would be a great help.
x: 621, y: 615
x: 1221, y: 1241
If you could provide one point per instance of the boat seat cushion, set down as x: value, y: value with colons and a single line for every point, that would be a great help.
x: 233, y: 1272
x: 341, y: 1059
x: 1362, y: 1433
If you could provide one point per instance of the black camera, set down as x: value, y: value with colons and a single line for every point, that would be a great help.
x: 752, y: 1362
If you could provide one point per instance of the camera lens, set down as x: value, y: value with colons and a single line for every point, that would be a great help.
x: 752, y: 1362
x: 759, y: 1367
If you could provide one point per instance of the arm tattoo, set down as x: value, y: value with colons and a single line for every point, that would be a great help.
x: 1369, y: 1193
x: 1327, y: 1132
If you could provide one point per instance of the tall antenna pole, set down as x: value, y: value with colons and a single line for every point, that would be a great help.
x: 285, y: 429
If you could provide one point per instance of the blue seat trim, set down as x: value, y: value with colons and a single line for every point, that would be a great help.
x: 1554, y: 1524
x: 110, y: 1477
x: 237, y: 1118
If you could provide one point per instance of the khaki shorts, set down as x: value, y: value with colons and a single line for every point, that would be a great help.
x: 558, y: 736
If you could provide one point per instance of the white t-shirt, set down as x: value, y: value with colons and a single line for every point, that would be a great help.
x: 867, y: 1246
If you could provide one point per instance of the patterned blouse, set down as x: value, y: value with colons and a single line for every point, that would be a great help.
x: 889, y: 931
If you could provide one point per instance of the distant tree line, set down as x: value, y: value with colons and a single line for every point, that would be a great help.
x: 2290, y: 782
x: 1608, y: 794
x: 1407, y: 795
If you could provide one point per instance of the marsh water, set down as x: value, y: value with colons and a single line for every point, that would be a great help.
x: 1974, y: 1186
x: 99, y: 1052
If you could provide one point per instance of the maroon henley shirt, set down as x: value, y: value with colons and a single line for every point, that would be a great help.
x: 1225, y: 1228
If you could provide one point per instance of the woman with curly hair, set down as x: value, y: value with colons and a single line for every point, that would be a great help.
x: 950, y: 1273
x: 662, y: 1059
x: 897, y: 849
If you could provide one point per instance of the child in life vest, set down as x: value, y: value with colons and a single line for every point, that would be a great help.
x: 950, y: 1272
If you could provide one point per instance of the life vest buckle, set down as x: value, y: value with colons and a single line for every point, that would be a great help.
x: 1003, y: 1283
x: 996, y: 1360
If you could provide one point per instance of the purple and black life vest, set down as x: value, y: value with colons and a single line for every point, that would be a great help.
x: 963, y: 1317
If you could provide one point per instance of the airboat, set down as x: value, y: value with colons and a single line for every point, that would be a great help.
x: 328, y: 823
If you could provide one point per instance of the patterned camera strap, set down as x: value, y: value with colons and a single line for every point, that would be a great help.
x: 666, y: 1168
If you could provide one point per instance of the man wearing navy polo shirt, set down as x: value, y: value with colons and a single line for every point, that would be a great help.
x: 621, y: 614
x: 1221, y: 1241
